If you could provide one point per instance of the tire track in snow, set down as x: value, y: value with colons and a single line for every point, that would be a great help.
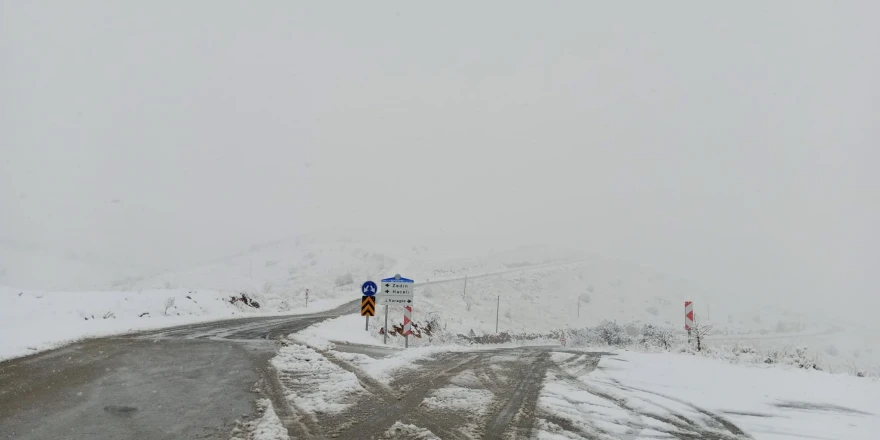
x: 372, y: 416
x: 720, y: 428
x: 516, y: 417
x: 716, y: 419
x: 298, y: 423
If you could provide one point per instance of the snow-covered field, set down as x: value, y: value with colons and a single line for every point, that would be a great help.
x: 641, y: 395
x: 635, y: 395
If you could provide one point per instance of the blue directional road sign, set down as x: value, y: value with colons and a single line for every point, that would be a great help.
x: 369, y: 288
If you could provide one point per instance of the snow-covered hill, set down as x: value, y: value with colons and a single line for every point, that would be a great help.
x: 333, y: 267
x: 587, y: 292
x: 29, y: 265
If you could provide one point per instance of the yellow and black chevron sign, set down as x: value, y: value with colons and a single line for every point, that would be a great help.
x: 368, y: 306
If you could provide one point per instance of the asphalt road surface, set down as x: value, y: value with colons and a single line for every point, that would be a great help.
x: 188, y: 382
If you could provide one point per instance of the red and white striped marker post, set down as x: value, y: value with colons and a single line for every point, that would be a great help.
x: 407, y: 324
x: 688, y: 317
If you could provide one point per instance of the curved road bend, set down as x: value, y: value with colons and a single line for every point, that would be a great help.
x: 187, y: 382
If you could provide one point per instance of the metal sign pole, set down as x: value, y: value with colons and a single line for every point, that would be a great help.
x: 407, y: 325
x: 367, y: 327
x: 385, y: 334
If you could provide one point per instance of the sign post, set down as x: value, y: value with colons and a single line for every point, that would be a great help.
x: 407, y: 325
x: 398, y: 291
x: 368, y: 302
x: 368, y: 308
x: 385, y: 333
x: 688, y: 317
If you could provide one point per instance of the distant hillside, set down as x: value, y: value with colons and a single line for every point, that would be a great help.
x: 29, y: 265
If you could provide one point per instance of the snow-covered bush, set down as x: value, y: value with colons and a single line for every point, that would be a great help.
x: 632, y: 330
x: 656, y: 336
x: 611, y: 333
x: 699, y: 332
x: 169, y: 303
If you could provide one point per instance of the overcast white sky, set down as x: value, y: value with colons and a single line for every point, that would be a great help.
x: 733, y: 142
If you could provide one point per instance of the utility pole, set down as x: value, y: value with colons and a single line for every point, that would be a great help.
x: 464, y: 294
x: 497, y: 308
x: 579, y: 307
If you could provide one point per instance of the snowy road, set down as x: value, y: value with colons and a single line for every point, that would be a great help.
x: 193, y: 381
x: 463, y: 395
x: 506, y: 393
x: 242, y: 379
x: 211, y: 380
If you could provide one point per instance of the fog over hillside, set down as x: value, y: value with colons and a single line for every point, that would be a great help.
x: 732, y: 146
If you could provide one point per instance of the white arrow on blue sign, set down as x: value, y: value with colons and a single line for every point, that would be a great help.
x: 368, y: 288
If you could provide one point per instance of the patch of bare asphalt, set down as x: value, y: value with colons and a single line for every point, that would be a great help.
x: 129, y: 389
x: 192, y: 381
